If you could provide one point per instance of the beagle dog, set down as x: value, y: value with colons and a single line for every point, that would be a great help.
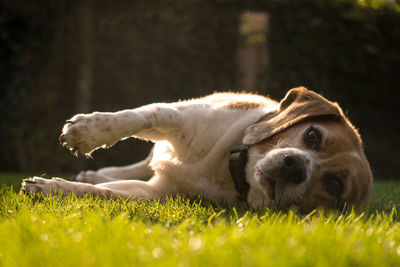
x: 301, y: 152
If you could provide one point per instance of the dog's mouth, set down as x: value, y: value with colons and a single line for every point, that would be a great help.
x: 268, y: 183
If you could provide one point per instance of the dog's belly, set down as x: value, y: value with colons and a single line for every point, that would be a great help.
x: 193, y: 179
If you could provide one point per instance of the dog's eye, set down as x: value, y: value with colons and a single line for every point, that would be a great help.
x: 333, y: 185
x: 312, y: 138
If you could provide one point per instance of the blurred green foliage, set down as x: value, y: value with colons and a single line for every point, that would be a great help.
x: 146, y: 52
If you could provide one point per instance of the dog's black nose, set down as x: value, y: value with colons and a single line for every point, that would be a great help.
x: 294, y: 169
x: 290, y: 162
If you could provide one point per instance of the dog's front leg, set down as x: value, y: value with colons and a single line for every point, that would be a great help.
x: 87, y: 132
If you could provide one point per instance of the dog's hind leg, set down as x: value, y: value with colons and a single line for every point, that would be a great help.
x: 139, y: 170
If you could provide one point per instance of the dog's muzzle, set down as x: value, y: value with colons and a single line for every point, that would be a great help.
x: 283, y: 174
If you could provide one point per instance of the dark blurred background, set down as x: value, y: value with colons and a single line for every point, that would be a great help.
x: 58, y: 58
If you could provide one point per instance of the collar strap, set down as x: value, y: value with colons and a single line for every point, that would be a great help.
x: 237, y: 167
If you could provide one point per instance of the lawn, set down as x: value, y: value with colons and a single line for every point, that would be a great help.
x: 96, y: 232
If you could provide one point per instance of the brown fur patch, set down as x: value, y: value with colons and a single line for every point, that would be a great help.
x: 341, y: 151
x: 298, y: 105
x: 240, y: 100
x: 244, y: 105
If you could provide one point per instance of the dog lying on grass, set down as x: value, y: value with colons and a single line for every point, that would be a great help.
x: 300, y: 152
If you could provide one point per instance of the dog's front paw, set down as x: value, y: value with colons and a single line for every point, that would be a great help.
x: 86, y: 132
x: 37, y: 185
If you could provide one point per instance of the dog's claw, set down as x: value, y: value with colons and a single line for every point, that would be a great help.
x: 28, y: 185
x: 69, y: 122
x: 29, y: 181
x: 75, y: 151
x: 61, y: 139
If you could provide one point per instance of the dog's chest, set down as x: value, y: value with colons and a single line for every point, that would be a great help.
x: 209, y: 179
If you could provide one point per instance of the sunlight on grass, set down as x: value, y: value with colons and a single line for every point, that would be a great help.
x: 66, y: 231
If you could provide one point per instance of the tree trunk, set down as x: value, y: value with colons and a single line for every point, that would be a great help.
x: 85, y: 71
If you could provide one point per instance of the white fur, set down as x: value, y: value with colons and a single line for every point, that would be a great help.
x: 193, y: 140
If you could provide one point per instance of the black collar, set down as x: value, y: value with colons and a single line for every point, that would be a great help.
x: 237, y: 167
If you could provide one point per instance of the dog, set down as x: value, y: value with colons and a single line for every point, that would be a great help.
x: 300, y: 152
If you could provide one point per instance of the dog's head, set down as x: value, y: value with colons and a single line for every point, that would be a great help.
x: 306, y: 154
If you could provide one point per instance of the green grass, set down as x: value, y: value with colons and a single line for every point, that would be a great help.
x: 56, y: 231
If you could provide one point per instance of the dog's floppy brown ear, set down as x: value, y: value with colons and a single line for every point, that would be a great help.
x: 298, y: 105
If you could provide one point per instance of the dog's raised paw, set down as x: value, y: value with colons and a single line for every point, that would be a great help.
x: 86, y: 132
